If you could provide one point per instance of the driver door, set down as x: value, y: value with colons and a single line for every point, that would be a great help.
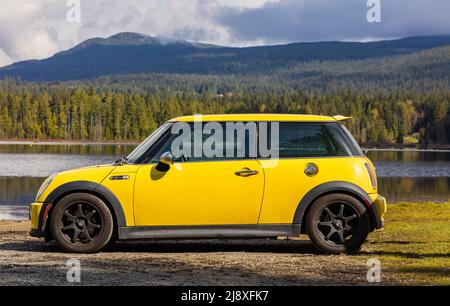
x: 198, y: 192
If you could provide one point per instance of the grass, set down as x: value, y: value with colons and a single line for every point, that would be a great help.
x: 415, y: 244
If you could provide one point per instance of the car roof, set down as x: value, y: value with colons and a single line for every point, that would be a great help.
x: 260, y: 117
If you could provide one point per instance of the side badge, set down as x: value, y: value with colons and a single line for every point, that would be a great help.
x: 311, y: 169
x: 119, y: 178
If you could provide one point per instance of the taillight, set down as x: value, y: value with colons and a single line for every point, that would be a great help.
x: 371, y: 175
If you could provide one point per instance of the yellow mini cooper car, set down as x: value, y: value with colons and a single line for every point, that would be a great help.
x: 220, y: 176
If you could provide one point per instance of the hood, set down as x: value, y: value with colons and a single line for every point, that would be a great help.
x: 94, y: 174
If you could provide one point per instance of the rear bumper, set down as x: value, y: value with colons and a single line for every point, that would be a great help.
x: 38, y: 217
x: 380, y: 209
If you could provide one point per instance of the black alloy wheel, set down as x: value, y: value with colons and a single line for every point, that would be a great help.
x: 338, y: 223
x: 81, y: 223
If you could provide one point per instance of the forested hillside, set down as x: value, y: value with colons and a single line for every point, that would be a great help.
x: 131, y: 53
x: 400, y: 97
x: 84, y: 114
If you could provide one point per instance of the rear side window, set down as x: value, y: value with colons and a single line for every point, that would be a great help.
x: 354, y: 146
x: 302, y: 139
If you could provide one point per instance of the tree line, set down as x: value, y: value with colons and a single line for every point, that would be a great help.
x: 84, y: 113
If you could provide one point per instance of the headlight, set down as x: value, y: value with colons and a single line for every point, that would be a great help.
x: 44, y: 186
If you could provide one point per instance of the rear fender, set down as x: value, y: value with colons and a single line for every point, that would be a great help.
x: 335, y: 187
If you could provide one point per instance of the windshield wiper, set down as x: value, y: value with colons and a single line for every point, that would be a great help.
x: 121, y: 161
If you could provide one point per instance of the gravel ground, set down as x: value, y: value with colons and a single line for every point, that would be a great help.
x: 29, y: 261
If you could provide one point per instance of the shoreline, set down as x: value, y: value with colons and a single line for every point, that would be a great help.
x: 66, y: 142
x: 135, y: 143
x: 407, y: 150
x: 15, y: 226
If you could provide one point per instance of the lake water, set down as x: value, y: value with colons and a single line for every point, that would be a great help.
x: 402, y: 175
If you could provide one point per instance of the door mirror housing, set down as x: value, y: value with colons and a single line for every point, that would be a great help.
x: 166, y: 159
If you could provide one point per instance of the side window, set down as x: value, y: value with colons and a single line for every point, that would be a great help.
x: 162, y: 145
x: 222, y: 148
x: 165, y: 146
x: 310, y: 140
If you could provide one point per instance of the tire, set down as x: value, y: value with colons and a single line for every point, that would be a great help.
x: 81, y: 223
x: 338, y: 223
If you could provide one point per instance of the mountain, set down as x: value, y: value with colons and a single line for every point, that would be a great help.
x: 132, y: 53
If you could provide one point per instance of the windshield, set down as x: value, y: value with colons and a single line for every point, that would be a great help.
x: 147, y: 143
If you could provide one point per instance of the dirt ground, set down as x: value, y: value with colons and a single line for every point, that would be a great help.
x: 29, y: 261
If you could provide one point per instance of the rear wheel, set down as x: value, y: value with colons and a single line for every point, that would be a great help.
x: 338, y: 223
x: 81, y: 223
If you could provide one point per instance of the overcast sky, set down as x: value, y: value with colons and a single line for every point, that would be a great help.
x: 38, y: 28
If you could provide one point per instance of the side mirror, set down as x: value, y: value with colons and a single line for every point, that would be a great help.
x: 166, y: 159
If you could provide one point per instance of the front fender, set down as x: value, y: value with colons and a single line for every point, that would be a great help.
x: 72, y: 187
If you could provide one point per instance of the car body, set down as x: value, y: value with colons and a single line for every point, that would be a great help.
x: 151, y: 194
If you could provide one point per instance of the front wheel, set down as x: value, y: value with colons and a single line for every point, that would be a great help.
x: 338, y: 223
x: 81, y: 223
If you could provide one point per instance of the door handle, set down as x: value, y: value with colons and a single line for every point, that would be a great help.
x: 246, y: 172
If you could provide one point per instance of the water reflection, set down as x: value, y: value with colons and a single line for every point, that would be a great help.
x: 409, y: 156
x: 411, y: 163
x: 15, y: 194
x: 45, y: 160
x: 83, y: 149
x: 416, y: 189
x: 44, y: 165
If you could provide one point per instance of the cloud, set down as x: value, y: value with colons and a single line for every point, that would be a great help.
x: 32, y: 29
x: 304, y: 20
x: 37, y: 29
x: 4, y: 59
x: 179, y: 19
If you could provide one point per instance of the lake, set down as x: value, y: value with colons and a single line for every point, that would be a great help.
x: 402, y: 175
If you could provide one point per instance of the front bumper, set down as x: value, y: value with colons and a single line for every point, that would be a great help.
x: 38, y: 217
